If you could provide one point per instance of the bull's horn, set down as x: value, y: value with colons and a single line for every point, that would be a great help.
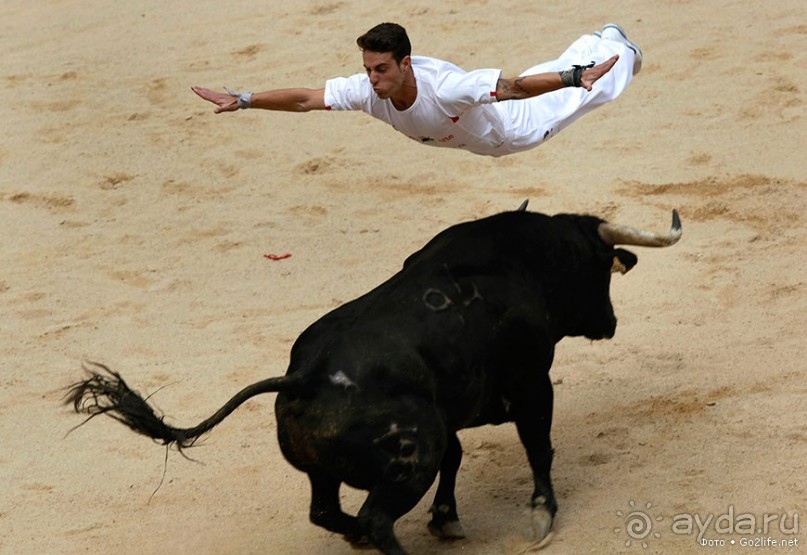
x: 523, y: 206
x: 614, y: 234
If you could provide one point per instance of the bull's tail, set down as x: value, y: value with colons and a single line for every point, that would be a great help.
x: 105, y: 392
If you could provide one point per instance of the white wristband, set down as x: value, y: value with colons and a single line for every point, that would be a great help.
x: 243, y: 99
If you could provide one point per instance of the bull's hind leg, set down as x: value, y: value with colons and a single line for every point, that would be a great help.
x: 384, y: 505
x: 445, y: 522
x: 326, y: 511
x: 406, y: 458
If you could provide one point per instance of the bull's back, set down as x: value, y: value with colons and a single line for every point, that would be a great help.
x: 437, y: 334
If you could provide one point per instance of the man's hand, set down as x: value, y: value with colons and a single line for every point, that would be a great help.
x: 225, y: 102
x: 592, y: 74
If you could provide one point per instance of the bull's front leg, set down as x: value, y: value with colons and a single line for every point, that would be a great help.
x: 445, y: 522
x: 532, y: 411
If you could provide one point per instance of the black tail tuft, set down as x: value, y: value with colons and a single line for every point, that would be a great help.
x: 105, y: 392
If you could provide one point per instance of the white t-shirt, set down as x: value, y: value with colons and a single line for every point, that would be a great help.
x: 452, y: 109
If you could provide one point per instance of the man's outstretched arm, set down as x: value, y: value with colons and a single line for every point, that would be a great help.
x: 286, y: 100
x: 540, y: 83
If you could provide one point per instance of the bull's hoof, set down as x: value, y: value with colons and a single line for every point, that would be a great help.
x: 537, y: 546
x: 359, y: 542
x: 452, y: 530
x: 541, y: 521
x: 445, y: 524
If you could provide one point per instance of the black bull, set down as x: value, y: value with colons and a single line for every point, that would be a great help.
x: 463, y: 335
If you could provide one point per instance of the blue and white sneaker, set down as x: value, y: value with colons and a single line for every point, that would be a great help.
x: 612, y: 31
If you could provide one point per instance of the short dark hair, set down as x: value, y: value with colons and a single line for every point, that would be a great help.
x: 387, y: 37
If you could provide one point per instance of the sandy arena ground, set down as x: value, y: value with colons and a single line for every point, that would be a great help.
x: 135, y: 223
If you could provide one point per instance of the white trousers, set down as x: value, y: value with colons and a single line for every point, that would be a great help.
x: 535, y: 120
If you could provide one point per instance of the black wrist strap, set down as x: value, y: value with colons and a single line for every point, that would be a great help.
x: 573, y: 77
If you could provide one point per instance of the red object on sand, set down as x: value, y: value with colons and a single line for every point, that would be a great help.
x: 277, y: 256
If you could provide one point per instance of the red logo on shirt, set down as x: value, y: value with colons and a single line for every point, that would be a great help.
x: 455, y: 119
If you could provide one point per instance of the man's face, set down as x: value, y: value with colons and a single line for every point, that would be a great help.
x: 386, y: 75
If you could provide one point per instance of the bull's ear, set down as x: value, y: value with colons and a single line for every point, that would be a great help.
x: 623, y: 261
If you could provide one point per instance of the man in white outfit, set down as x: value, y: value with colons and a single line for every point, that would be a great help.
x: 439, y: 104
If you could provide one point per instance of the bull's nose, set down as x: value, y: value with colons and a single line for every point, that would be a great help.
x: 600, y: 335
x: 609, y: 333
